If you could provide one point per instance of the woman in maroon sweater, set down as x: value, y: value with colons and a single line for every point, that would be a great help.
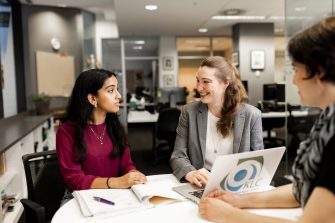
x: 91, y: 144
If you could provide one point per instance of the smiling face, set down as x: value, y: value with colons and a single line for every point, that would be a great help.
x: 211, y: 89
x: 108, y: 97
x: 310, y: 90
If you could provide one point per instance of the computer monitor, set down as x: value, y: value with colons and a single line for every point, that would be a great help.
x: 172, y: 95
x: 245, y: 84
x: 274, y: 92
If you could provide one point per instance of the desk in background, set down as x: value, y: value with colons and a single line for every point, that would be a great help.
x: 142, y: 117
x: 284, y: 114
x: 183, y: 211
x: 145, y: 116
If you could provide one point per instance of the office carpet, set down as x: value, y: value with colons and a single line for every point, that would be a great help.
x: 140, y: 140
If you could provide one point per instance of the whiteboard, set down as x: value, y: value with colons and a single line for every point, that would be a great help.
x: 55, y: 73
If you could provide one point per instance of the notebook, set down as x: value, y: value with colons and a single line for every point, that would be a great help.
x: 238, y: 173
x: 154, y: 193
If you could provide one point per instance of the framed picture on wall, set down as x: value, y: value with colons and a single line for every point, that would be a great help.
x: 257, y: 60
x: 168, y: 80
x: 235, y: 58
x: 167, y: 63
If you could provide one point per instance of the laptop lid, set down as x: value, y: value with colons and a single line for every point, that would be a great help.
x: 238, y: 173
x: 244, y: 172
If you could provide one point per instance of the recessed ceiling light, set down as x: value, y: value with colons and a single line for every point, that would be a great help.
x: 137, y: 47
x: 151, y: 7
x: 139, y: 42
x: 203, y: 30
x: 300, y: 9
x: 233, y: 12
x: 276, y: 17
x: 238, y: 17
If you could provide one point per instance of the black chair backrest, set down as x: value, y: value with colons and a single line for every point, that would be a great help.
x: 44, y: 181
x: 272, y: 123
x: 302, y: 124
x: 167, y: 124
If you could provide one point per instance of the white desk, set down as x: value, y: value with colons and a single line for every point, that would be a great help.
x: 147, y: 117
x: 184, y: 211
x: 284, y: 114
x: 142, y: 117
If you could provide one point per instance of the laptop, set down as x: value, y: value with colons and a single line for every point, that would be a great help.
x: 238, y: 173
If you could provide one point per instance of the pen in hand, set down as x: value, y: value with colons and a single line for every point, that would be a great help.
x: 103, y: 200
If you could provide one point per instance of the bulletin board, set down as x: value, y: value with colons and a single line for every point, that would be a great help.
x: 55, y: 73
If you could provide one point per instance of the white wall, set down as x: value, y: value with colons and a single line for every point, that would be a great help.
x: 104, y: 29
x: 9, y: 91
x: 255, y: 36
x: 167, y: 48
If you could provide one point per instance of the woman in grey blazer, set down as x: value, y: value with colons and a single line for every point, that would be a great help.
x: 220, y: 123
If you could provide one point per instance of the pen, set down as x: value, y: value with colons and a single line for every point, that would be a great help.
x: 103, y: 200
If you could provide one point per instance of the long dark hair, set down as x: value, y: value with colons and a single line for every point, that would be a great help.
x: 79, y: 111
x: 235, y: 92
x: 315, y: 48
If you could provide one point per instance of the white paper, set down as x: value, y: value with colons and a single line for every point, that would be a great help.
x: 125, y: 202
x: 160, y: 188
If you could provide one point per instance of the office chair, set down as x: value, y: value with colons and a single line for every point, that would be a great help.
x: 45, y: 186
x: 167, y: 123
x: 272, y: 123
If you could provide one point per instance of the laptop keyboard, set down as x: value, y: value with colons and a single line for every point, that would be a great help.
x: 197, y: 193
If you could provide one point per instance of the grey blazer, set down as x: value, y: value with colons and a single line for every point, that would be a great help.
x: 190, y: 145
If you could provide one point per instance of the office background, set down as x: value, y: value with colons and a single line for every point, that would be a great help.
x: 154, y: 52
x: 112, y: 37
x: 150, y: 56
x: 82, y: 33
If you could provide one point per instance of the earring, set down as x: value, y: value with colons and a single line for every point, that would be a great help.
x: 95, y: 105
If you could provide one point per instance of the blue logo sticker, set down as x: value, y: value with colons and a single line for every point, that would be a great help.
x: 244, y: 176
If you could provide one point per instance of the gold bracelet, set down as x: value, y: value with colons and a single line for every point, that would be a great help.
x: 108, y: 183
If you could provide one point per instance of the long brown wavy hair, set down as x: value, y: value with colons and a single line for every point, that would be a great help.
x: 235, y: 92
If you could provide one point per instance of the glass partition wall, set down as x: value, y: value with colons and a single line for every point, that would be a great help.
x: 299, y: 14
x: 135, y: 61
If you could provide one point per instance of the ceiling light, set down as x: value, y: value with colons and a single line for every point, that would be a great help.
x: 238, y: 17
x: 196, y: 40
x: 203, y: 30
x: 139, y: 42
x: 151, y: 7
x: 276, y: 17
x: 300, y: 9
x: 137, y: 47
x: 233, y: 12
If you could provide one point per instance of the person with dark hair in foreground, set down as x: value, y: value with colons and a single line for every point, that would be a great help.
x: 91, y: 144
x: 313, y: 188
